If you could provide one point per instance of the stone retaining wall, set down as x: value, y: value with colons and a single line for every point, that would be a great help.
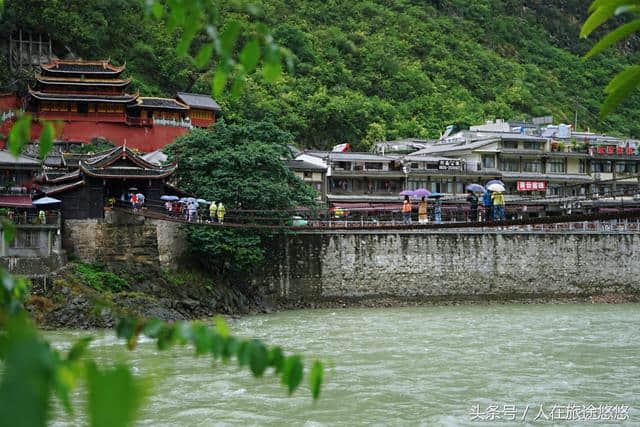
x: 123, y: 238
x: 419, y: 265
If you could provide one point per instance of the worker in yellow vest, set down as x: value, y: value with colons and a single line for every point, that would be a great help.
x: 498, y: 205
x: 221, y: 212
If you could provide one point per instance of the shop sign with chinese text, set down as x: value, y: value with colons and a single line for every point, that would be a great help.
x: 532, y: 185
x: 613, y: 150
x: 449, y: 165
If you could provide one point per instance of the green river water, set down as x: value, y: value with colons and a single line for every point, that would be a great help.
x: 448, y: 365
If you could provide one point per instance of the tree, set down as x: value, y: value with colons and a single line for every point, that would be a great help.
x: 627, y: 80
x: 240, y: 165
x: 376, y: 132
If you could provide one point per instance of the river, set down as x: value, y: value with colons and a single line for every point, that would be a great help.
x: 434, y: 365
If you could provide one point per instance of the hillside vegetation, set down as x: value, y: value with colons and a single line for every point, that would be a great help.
x: 373, y: 69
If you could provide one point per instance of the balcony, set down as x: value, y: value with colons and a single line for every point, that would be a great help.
x: 368, y: 173
x: 116, y: 117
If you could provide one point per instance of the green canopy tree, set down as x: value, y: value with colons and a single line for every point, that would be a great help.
x: 241, y: 165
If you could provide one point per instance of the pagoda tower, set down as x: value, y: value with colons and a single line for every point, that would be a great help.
x: 81, y: 90
x: 91, y: 99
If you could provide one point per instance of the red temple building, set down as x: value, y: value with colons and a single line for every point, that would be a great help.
x: 93, y: 100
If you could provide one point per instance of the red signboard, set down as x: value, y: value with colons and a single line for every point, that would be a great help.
x: 610, y: 149
x: 532, y: 185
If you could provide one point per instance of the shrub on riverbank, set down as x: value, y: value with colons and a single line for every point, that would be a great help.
x: 101, y: 281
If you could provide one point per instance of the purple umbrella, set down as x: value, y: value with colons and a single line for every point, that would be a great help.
x: 421, y: 192
x: 407, y: 193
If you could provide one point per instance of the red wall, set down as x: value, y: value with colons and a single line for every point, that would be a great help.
x: 8, y: 103
x: 202, y: 123
x: 144, y: 139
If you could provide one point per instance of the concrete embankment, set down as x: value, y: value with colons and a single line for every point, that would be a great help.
x: 337, y: 268
x: 343, y: 266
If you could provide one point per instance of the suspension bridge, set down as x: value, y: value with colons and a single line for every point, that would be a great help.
x: 618, y: 218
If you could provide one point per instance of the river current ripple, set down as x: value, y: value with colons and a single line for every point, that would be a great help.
x: 446, y: 365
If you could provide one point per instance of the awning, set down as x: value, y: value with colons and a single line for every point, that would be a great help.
x: 366, y: 207
x: 618, y: 209
x: 346, y: 205
x: 16, y: 201
x: 46, y: 201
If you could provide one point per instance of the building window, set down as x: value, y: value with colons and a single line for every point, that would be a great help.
x: 308, y: 174
x: 415, y: 165
x: 373, y: 166
x: 25, y: 239
x: 555, y: 166
x: 414, y: 185
x: 583, y: 166
x: 345, y: 166
x: 318, y: 186
x: 488, y: 162
x: 626, y: 167
x: 532, y: 166
x: 432, y: 166
x: 510, y: 144
x: 601, y: 166
x: 509, y: 165
x: 532, y: 146
x: 459, y: 188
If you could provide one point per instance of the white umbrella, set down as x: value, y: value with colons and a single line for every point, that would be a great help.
x: 496, y: 187
x: 46, y: 201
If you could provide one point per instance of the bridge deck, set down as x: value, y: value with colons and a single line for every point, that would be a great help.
x: 622, y: 221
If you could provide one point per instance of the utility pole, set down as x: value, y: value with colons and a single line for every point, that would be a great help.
x: 575, y: 122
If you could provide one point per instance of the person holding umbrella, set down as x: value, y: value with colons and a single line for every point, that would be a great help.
x: 422, y: 211
x: 497, y: 199
x: 473, y: 206
x: 487, y: 202
x: 406, y: 211
x: 134, y: 201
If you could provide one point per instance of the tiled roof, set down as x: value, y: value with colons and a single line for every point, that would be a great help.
x: 7, y: 158
x: 72, y: 159
x: 51, y: 80
x: 61, y: 178
x: 82, y: 66
x: 156, y: 157
x: 54, y: 160
x: 196, y: 100
x: 56, y: 189
x: 550, y: 177
x: 446, y: 148
x: 104, y: 166
x: 126, y: 172
x: 16, y: 201
x: 424, y: 158
x: 337, y: 156
x: 165, y: 103
x: 301, y: 165
x: 126, y: 98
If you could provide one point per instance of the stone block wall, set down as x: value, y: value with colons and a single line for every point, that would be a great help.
x: 124, y: 239
x: 421, y: 265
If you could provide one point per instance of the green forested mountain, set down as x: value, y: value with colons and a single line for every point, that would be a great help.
x: 370, y: 69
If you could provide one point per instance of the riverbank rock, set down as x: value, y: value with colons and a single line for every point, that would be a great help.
x: 82, y: 296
